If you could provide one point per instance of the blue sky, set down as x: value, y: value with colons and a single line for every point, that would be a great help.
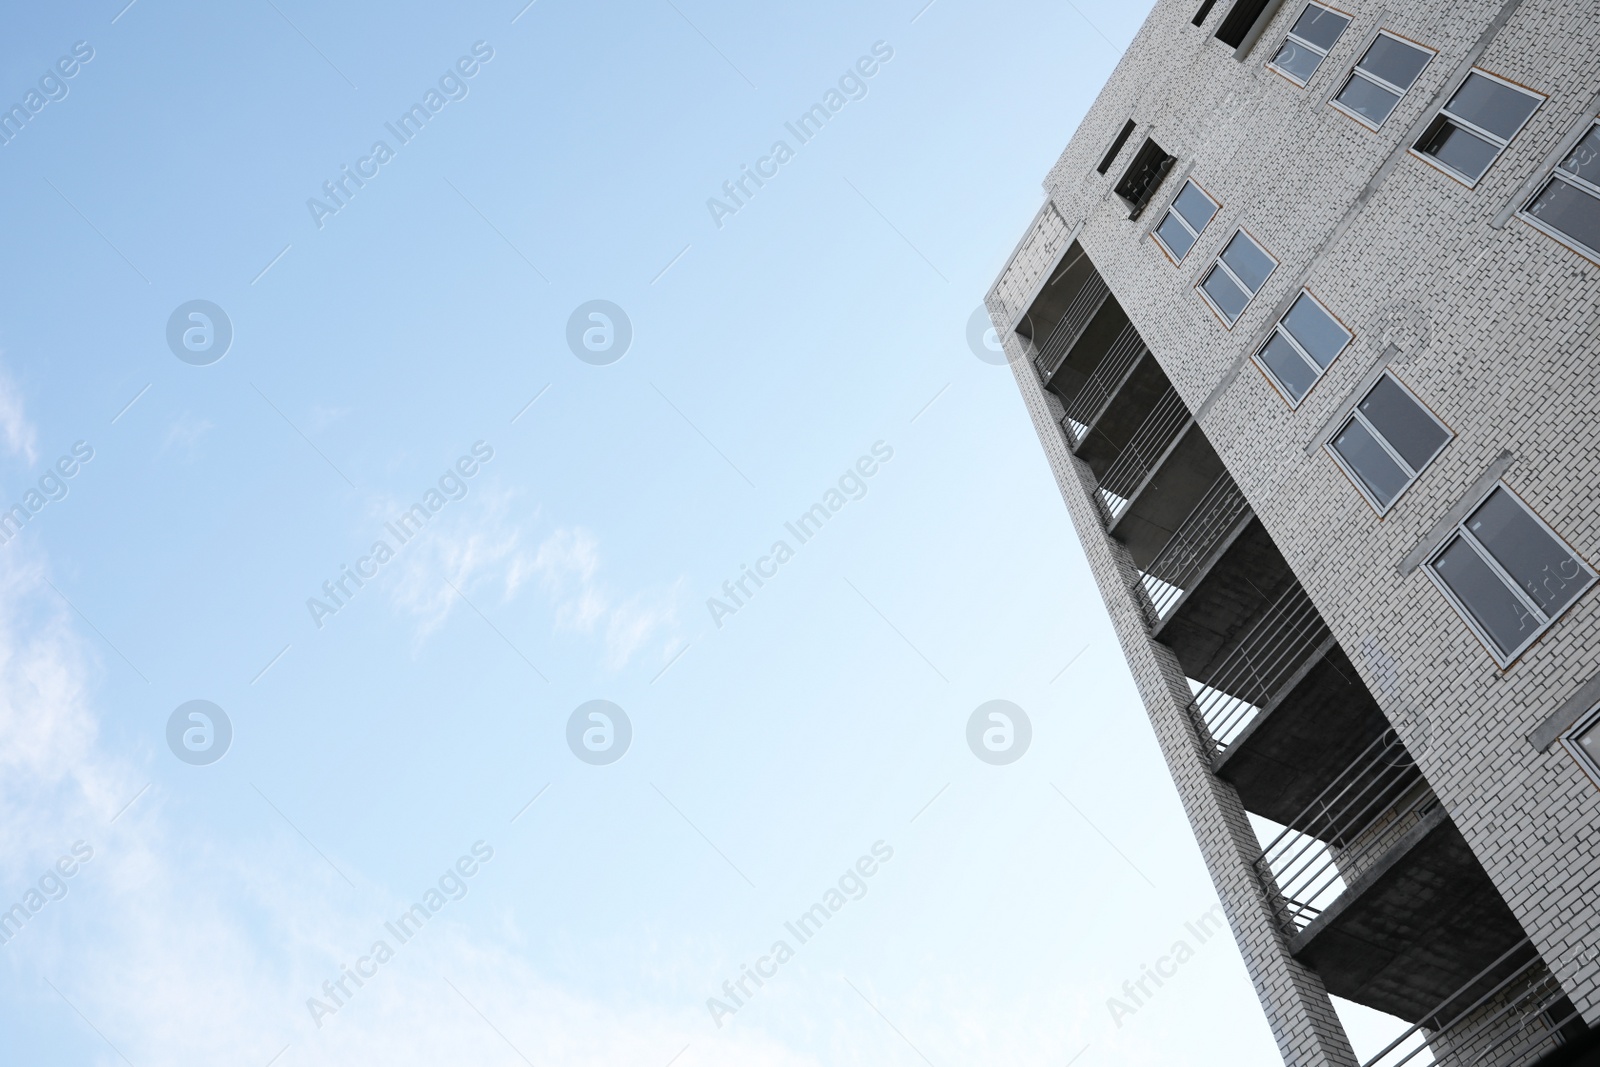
x: 375, y: 747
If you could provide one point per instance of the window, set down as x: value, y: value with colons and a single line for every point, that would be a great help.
x: 1187, y: 218
x: 1308, y: 43
x: 1508, y: 574
x: 1143, y: 176
x: 1240, y: 21
x: 1384, y: 75
x: 1116, y: 147
x: 1205, y: 9
x: 1303, y: 344
x: 1236, y: 277
x: 1584, y: 742
x: 1568, y: 207
x: 1387, y: 441
x: 1477, y: 124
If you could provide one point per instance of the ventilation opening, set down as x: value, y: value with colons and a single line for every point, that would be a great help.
x: 1143, y: 176
x: 1240, y: 21
x: 1205, y: 9
x: 1116, y: 147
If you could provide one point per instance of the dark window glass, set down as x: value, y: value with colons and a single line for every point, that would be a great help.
x: 1589, y: 742
x: 1288, y: 366
x: 1409, y: 429
x: 1174, y: 236
x: 1461, y: 150
x: 1297, y: 60
x: 1496, y: 608
x: 1492, y: 106
x: 1320, y: 26
x: 1585, y: 158
x: 1248, y: 261
x: 1317, y: 331
x: 1240, y: 21
x: 1394, y: 61
x: 1229, y: 298
x: 1569, y: 209
x: 1366, y: 458
x: 1541, y: 564
x: 1367, y: 99
x: 1195, y: 207
x: 1116, y: 147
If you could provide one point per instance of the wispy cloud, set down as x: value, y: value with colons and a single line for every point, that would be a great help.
x: 15, y: 429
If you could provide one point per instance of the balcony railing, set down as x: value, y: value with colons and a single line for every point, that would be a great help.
x: 1167, y: 419
x: 1340, y: 834
x: 1514, y: 1022
x: 1246, y: 681
x: 1177, y: 566
x: 1092, y: 397
x: 1054, y: 351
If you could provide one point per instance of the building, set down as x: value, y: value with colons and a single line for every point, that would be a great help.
x: 1308, y: 328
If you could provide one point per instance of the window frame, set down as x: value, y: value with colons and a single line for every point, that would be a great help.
x: 1356, y: 72
x: 1218, y: 264
x: 1393, y: 453
x: 1569, y: 740
x: 1303, y: 43
x: 1278, y: 328
x: 1582, y: 185
x: 1459, y: 532
x: 1501, y: 144
x: 1172, y: 210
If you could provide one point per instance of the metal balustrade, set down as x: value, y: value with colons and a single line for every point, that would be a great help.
x: 1054, y: 351
x: 1249, y: 677
x: 1167, y: 419
x: 1380, y: 796
x: 1513, y: 1023
x: 1090, y: 401
x: 1176, y: 566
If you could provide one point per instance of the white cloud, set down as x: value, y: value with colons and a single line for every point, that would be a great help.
x: 15, y: 429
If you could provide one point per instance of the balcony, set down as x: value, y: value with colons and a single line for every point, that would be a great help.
x: 1189, y: 553
x: 1143, y: 452
x: 1511, y: 1014
x: 1376, y: 889
x: 1075, y: 320
x: 1090, y: 395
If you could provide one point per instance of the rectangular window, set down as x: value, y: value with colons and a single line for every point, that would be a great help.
x: 1187, y: 218
x: 1236, y: 277
x: 1205, y: 9
x: 1387, y: 441
x: 1385, y: 74
x: 1309, y: 41
x: 1473, y: 129
x: 1240, y: 21
x: 1303, y: 344
x: 1568, y: 207
x: 1507, y: 574
x: 1143, y: 176
x: 1584, y: 742
x: 1116, y: 147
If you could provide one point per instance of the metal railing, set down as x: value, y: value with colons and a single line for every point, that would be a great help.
x: 1054, y: 351
x: 1514, y: 1022
x: 1279, y: 643
x: 1375, y: 800
x: 1167, y: 419
x: 1175, y: 567
x: 1091, y: 399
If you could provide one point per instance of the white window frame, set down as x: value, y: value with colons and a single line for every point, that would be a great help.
x: 1460, y: 531
x: 1281, y: 330
x: 1218, y: 264
x: 1558, y: 173
x: 1383, y: 442
x: 1569, y: 740
x: 1307, y: 45
x: 1172, y: 210
x: 1357, y: 72
x: 1500, y: 143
